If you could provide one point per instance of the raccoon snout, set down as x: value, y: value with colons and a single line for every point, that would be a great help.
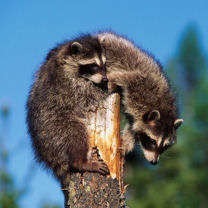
x: 154, y: 162
x: 105, y: 79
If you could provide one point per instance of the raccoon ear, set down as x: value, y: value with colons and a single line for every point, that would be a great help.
x: 177, y: 123
x: 75, y: 48
x: 102, y: 39
x: 151, y: 116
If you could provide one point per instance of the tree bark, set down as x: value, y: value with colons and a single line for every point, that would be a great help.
x: 93, y: 190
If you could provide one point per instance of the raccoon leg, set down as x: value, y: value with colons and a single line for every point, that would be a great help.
x: 92, y: 166
x: 94, y: 163
x: 114, y: 81
x: 81, y: 157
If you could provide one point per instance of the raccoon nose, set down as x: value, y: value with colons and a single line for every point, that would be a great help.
x: 105, y: 79
x: 154, y: 162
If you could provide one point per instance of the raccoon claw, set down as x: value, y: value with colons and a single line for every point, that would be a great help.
x: 111, y: 87
x: 121, y: 151
x: 101, y: 167
x: 95, y: 151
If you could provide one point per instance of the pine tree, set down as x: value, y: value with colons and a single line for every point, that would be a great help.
x: 180, y: 180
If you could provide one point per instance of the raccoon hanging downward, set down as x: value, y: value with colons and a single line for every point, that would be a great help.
x: 63, y: 92
x: 147, y: 99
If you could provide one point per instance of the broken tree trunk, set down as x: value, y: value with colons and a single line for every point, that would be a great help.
x: 94, y: 190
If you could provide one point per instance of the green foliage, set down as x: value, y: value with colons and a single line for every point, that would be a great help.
x: 10, y: 194
x: 191, y: 57
x: 49, y: 206
x: 180, y: 180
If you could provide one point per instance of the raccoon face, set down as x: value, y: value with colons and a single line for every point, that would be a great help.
x: 90, y: 59
x: 154, y: 136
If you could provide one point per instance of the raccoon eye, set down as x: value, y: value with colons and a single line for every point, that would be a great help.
x: 147, y: 142
x: 153, y: 141
x: 95, y: 68
x: 88, y: 69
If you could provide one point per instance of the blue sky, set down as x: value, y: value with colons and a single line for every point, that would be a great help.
x: 30, y: 28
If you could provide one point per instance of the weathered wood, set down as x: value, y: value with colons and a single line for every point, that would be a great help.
x: 94, y: 190
x: 104, y: 132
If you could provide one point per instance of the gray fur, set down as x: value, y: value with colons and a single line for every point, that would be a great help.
x: 57, y: 108
x: 146, y: 95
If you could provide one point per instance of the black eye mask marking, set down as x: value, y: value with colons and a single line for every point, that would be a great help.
x: 164, y: 148
x: 147, y: 142
x: 89, y: 69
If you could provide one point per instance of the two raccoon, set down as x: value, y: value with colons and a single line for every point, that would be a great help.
x: 78, y: 76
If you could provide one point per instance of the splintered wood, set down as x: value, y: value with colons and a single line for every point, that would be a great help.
x: 104, y: 133
x: 91, y: 189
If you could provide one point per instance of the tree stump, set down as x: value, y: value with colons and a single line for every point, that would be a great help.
x: 93, y: 190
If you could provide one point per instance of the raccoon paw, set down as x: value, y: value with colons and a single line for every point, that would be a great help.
x: 91, y: 166
x: 100, y: 167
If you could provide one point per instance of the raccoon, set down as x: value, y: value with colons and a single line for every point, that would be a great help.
x: 63, y: 92
x: 148, y: 101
